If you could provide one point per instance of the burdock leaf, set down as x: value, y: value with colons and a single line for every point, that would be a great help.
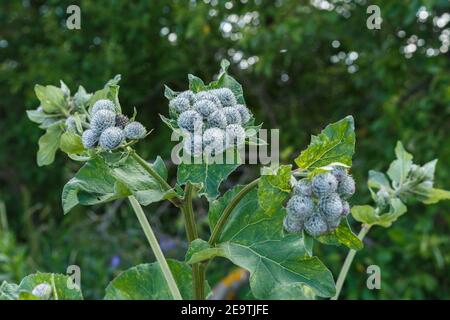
x: 280, y: 265
x: 48, y: 145
x: 147, y: 282
x: 336, y: 143
x: 210, y: 176
x: 63, y: 287
x: 99, y: 181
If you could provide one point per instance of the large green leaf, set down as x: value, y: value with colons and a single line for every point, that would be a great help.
x: 48, y: 145
x: 51, y: 98
x: 274, y: 186
x: 280, y: 263
x: 369, y: 216
x: 217, y: 206
x: 343, y: 235
x: 62, y: 286
x: 253, y: 238
x: 147, y: 282
x: 399, y: 168
x: 100, y: 181
x: 336, y: 143
x: 210, y: 176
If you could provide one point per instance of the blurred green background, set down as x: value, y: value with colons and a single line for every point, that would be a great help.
x: 303, y: 64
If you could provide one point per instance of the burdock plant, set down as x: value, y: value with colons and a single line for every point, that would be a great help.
x: 267, y: 226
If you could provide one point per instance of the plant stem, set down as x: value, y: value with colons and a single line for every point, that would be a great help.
x: 188, y: 213
x: 228, y: 209
x: 348, y: 261
x: 155, y: 175
x: 151, y: 171
x: 155, y: 247
x: 198, y: 271
x: 234, y: 202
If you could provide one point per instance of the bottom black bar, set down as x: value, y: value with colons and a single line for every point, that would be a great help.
x: 168, y: 310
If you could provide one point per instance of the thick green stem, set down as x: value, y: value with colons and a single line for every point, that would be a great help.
x: 198, y: 272
x: 151, y: 171
x: 155, y: 175
x: 156, y: 248
x: 188, y: 213
x: 348, y: 261
x: 229, y: 208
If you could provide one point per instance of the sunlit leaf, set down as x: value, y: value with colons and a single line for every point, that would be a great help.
x: 336, y: 143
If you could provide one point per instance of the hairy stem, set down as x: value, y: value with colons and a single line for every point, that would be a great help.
x: 155, y: 175
x: 198, y: 272
x: 151, y: 171
x: 228, y: 209
x: 156, y: 248
x: 188, y: 213
x: 348, y: 261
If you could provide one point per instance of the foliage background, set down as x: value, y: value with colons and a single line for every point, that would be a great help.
x: 395, y: 81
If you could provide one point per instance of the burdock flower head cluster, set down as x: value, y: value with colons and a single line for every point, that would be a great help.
x: 211, y: 120
x: 109, y: 129
x: 318, y: 205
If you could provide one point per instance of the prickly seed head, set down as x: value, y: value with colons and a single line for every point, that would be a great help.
x: 213, y: 141
x: 316, y: 225
x: 339, y: 173
x: 233, y: 116
x: 89, y: 138
x: 205, y: 108
x: 300, y: 207
x: 190, y: 120
x: 42, y: 291
x: 193, y: 145
x: 234, y: 135
x: 292, y: 225
x: 102, y: 120
x: 226, y: 97
x: 111, y: 138
x: 188, y: 94
x: 217, y: 120
x: 346, y: 187
x: 180, y: 104
x: 121, y: 120
x: 207, y: 95
x: 331, y: 205
x: 244, y: 112
x: 134, y: 130
x: 103, y: 104
x: 323, y: 184
x: 303, y: 187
